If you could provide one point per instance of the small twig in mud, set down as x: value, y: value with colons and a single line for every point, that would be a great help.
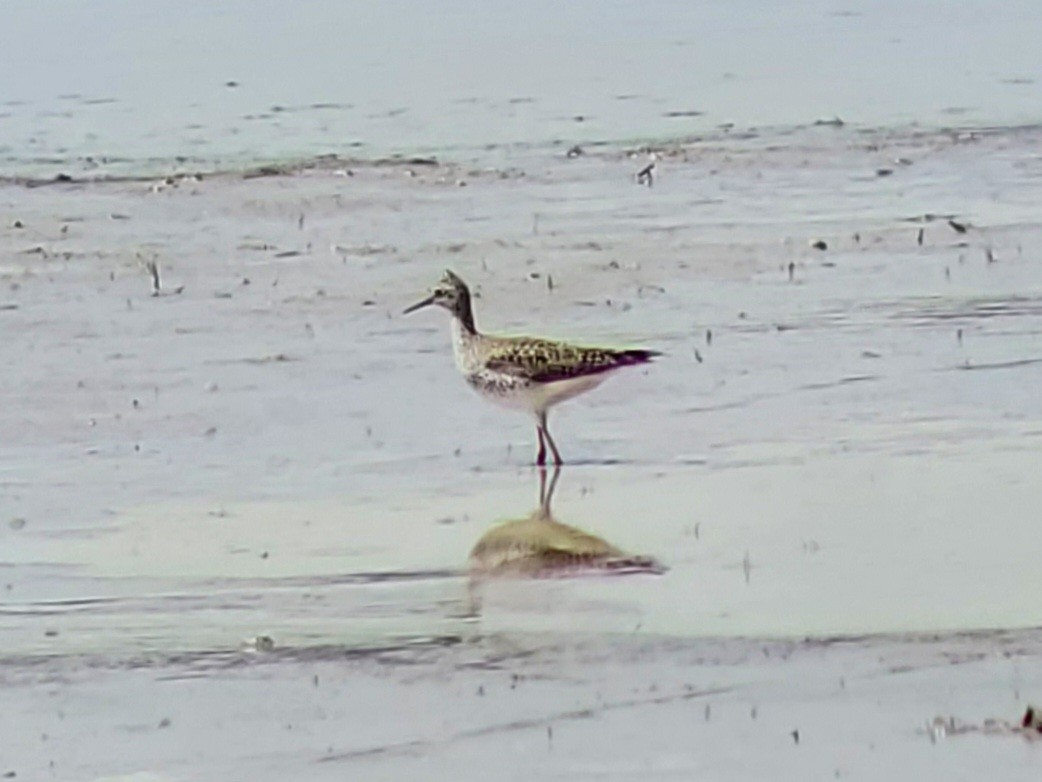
x: 645, y: 175
x: 152, y: 265
x: 1032, y: 720
x: 959, y: 228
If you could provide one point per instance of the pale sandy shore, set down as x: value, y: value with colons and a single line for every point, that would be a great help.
x: 836, y: 464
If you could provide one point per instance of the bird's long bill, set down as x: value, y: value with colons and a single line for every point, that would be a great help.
x: 419, y: 305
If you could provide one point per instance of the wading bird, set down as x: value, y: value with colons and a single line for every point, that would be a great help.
x: 524, y: 373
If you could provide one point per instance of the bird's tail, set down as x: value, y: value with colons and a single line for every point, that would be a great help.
x: 629, y: 357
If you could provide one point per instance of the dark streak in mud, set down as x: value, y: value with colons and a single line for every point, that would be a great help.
x: 525, y: 724
x: 1023, y: 362
x: 402, y: 653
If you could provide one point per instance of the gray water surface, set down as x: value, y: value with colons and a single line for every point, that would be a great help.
x: 122, y: 87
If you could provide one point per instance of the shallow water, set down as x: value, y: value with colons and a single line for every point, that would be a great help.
x: 115, y: 87
x: 820, y: 544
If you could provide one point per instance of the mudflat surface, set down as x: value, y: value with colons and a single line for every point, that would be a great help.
x: 836, y: 465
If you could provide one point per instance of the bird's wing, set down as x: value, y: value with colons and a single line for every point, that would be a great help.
x: 544, y: 361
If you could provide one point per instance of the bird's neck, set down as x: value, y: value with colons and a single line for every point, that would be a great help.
x: 464, y: 314
x: 466, y: 346
x: 466, y: 342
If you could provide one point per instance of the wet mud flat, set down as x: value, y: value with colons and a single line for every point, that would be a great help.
x: 239, y: 505
x: 536, y: 707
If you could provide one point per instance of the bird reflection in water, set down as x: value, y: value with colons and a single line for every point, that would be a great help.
x: 540, y: 546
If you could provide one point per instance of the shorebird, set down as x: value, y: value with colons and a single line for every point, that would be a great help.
x: 524, y: 373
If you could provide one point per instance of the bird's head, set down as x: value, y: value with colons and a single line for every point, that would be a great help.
x: 451, y: 293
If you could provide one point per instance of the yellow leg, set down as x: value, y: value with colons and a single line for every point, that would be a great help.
x: 544, y: 432
x: 540, y: 457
